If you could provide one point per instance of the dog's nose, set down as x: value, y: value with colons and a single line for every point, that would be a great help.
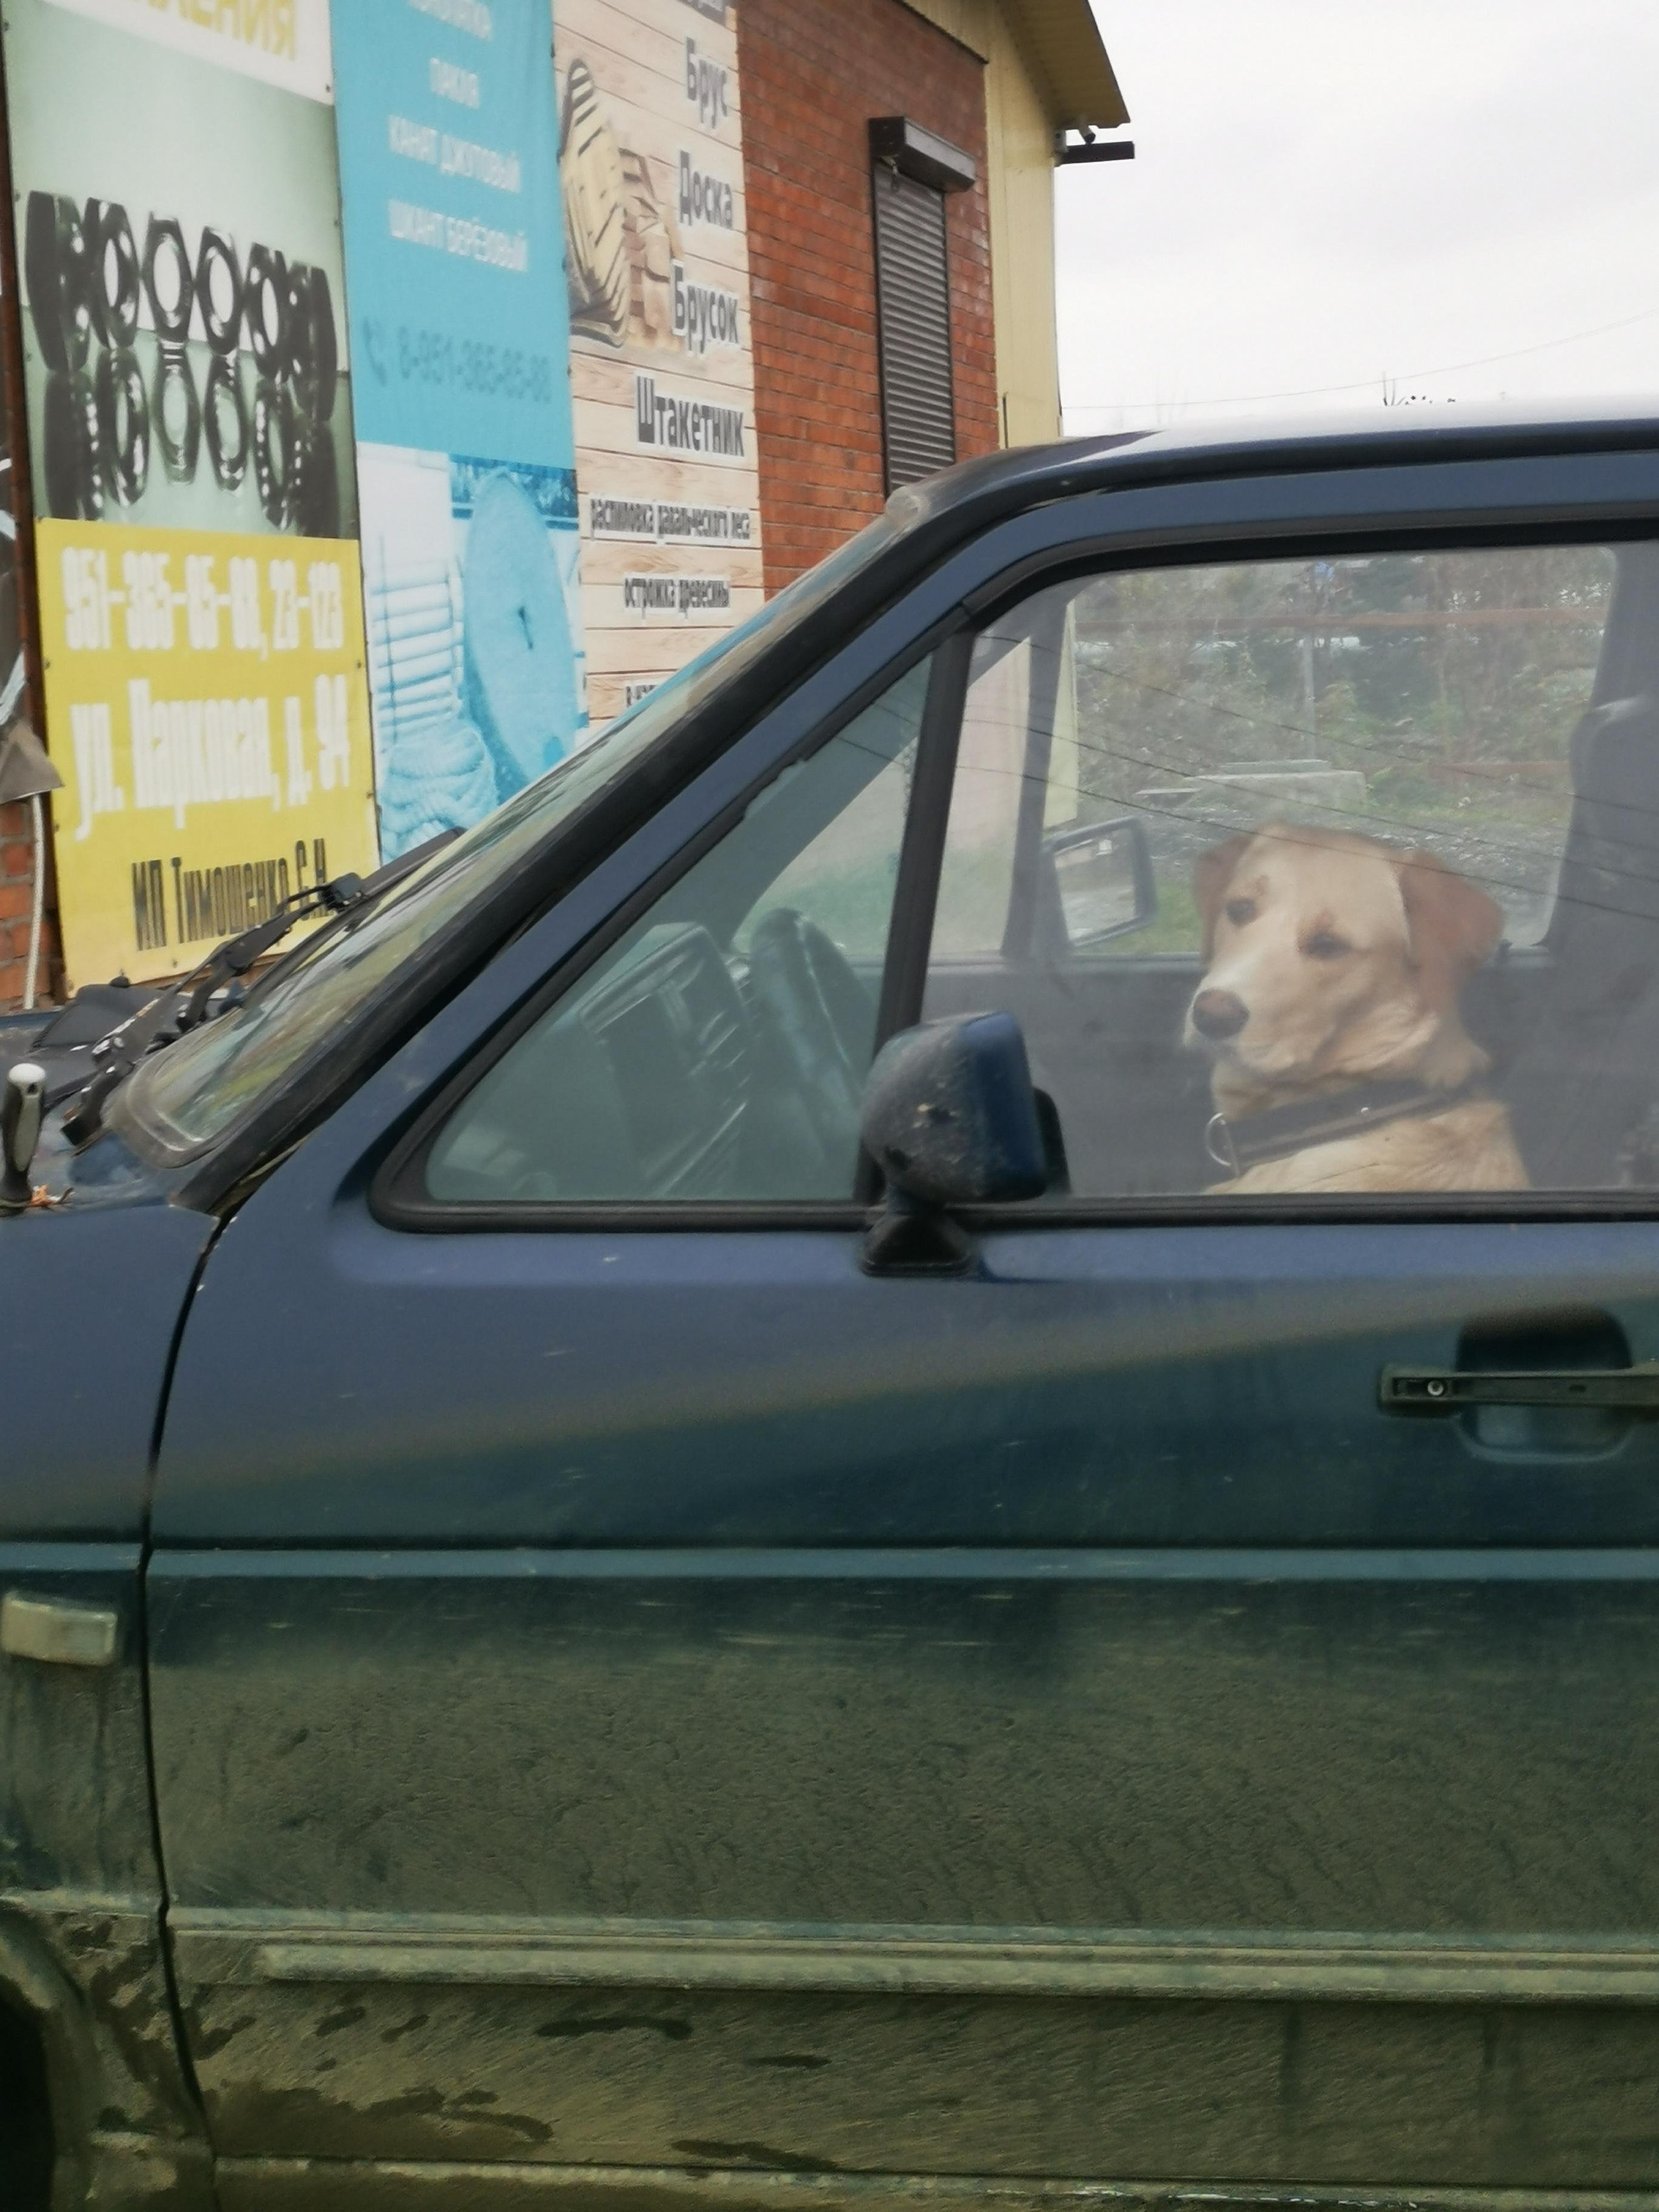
x: 1218, y: 1013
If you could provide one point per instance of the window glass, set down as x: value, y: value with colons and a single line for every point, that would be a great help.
x: 978, y: 876
x: 1323, y: 876
x: 213, y: 1076
x: 719, y: 1050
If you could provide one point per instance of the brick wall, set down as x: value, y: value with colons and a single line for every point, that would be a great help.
x: 813, y: 73
x: 16, y: 898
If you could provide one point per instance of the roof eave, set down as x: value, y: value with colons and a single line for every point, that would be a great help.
x: 1068, y: 58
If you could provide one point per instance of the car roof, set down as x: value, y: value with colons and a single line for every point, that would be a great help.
x: 976, y: 492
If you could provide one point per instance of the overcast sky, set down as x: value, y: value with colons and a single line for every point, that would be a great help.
x: 1327, y: 192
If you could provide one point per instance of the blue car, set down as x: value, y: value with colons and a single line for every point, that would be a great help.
x: 902, y: 1448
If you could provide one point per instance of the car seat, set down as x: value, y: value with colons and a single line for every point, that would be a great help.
x: 1583, y: 1089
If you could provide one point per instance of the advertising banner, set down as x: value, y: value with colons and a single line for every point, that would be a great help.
x: 662, y: 371
x: 189, y: 412
x: 280, y: 42
x: 449, y: 156
x: 215, y: 757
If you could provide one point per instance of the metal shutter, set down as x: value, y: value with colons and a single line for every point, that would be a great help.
x: 913, y: 314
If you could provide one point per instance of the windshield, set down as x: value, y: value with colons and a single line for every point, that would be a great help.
x: 184, y: 1098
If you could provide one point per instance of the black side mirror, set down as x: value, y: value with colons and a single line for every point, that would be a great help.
x: 950, y: 1118
x: 1097, y: 883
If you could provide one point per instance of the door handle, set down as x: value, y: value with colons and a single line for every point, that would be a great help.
x: 1450, y: 1389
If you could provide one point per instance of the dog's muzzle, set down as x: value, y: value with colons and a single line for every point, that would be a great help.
x: 1218, y: 1016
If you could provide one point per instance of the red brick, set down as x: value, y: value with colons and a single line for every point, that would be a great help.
x: 814, y: 73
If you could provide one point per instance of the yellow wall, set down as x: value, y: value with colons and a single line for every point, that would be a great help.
x: 1021, y: 140
x: 1019, y: 187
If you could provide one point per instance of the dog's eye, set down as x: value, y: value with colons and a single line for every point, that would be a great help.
x: 1240, y: 911
x: 1326, y: 945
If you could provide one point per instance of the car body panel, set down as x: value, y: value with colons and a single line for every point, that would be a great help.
x: 450, y: 1783
x: 93, y: 1300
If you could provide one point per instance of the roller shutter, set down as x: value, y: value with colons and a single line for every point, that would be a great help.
x: 913, y: 327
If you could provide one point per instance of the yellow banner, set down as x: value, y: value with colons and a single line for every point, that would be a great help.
x: 207, y: 710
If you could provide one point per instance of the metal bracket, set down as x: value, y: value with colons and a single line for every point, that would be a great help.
x: 57, y: 1631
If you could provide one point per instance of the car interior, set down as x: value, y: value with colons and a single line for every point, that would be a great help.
x: 1495, y: 707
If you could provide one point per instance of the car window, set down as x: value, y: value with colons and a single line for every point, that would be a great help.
x: 186, y: 1098
x: 719, y: 1050
x: 1331, y: 876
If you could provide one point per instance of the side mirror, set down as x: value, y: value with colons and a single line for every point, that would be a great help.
x: 1097, y: 883
x: 952, y: 1119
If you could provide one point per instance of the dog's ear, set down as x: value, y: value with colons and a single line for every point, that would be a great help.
x: 1212, y: 873
x: 1454, y: 926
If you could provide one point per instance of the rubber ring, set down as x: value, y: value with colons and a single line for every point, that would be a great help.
x: 179, y: 451
x: 324, y: 348
x: 300, y: 351
x: 73, y: 490
x: 225, y: 385
x: 276, y: 452
x: 41, y: 275
x: 313, y: 349
x: 57, y: 266
x: 122, y: 426
x: 316, y: 506
x: 172, y: 321
x: 116, y: 286
x: 267, y: 279
x: 216, y: 251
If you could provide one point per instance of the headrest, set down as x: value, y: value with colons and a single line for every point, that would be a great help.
x: 1612, y: 861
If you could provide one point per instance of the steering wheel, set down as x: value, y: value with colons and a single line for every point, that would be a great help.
x: 820, y: 1017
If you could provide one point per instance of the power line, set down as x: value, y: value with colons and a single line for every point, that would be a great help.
x: 1368, y: 384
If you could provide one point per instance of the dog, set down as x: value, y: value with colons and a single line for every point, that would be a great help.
x: 1329, y: 1009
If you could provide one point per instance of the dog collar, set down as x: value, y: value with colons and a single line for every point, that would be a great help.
x: 1281, y: 1130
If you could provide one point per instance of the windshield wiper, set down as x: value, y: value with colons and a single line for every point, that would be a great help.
x: 185, y: 1006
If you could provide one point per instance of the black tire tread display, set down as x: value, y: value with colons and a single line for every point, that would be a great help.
x: 88, y: 282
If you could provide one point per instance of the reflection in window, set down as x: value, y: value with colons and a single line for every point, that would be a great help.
x: 1335, y: 875
x: 719, y: 1051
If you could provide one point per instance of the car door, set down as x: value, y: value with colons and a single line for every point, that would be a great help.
x: 632, y: 1688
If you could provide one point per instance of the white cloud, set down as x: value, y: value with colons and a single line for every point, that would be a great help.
x: 1327, y: 193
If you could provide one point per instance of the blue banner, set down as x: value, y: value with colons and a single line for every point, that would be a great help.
x: 455, y: 279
